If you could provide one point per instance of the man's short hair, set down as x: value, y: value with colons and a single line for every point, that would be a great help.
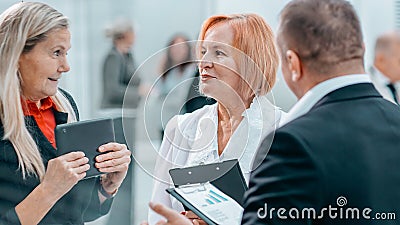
x: 324, y: 33
x: 385, y: 42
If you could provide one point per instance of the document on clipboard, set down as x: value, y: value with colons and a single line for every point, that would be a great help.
x: 209, y: 203
x: 226, y: 176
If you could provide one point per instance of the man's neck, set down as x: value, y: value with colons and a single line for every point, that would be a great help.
x: 343, y: 69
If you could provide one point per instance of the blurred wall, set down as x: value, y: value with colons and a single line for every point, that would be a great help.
x: 157, y: 20
x: 376, y: 17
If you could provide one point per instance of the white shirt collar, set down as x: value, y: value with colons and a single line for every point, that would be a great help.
x: 381, y: 79
x: 319, y: 91
x: 378, y: 76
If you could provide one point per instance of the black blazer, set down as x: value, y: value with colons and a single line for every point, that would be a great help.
x: 80, y: 204
x: 344, y: 153
x: 120, y: 82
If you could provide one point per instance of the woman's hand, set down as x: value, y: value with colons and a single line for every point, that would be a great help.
x: 64, y: 172
x: 171, y: 216
x: 61, y: 175
x: 194, y: 218
x: 115, y: 162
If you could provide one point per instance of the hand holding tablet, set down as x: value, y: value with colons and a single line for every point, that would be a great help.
x: 86, y: 136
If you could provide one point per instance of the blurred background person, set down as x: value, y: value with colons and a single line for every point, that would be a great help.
x: 36, y: 187
x: 121, y: 89
x: 385, y: 72
x: 119, y: 68
x: 238, y: 68
x: 176, y: 69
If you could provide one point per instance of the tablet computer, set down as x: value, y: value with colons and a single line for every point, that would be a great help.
x: 86, y: 136
x: 226, y: 176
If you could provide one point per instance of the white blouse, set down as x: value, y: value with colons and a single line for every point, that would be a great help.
x: 191, y: 139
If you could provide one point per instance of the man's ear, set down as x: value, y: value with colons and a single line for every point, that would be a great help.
x: 379, y: 57
x: 294, y: 65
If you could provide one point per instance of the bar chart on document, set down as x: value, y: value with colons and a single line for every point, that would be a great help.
x: 213, y: 198
x: 213, y: 203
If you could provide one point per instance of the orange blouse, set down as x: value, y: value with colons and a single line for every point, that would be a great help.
x: 43, y: 116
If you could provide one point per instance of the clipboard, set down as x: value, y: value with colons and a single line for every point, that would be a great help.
x: 226, y: 176
x: 189, y: 206
x: 209, y: 203
x: 85, y: 136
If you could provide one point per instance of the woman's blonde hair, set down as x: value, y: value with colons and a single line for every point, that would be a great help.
x: 253, y: 37
x: 22, y: 26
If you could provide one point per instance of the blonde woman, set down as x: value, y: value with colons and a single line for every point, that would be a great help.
x: 36, y: 187
x: 238, y: 64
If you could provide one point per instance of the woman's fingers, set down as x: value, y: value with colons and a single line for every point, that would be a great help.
x: 81, y: 169
x: 64, y: 172
x: 199, y: 222
x: 122, y: 167
x: 72, y: 156
x: 112, y: 146
x: 191, y: 215
x: 117, y: 158
x: 113, y: 162
x: 78, y: 162
x: 113, y: 155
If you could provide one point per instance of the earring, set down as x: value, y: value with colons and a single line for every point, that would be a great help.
x: 294, y: 76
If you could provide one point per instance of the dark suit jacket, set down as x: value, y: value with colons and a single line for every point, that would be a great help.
x: 80, y: 204
x: 347, y: 145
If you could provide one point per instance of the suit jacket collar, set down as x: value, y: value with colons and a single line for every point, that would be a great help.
x: 351, y: 92
x: 314, y: 95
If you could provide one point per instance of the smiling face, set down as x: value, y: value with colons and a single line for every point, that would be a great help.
x: 41, y: 68
x: 218, y: 68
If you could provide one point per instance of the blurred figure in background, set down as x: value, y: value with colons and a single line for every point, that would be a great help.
x: 121, y: 89
x: 385, y: 73
x: 119, y: 68
x: 177, y: 69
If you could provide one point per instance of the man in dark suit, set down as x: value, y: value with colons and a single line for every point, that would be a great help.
x: 385, y: 72
x: 335, y: 159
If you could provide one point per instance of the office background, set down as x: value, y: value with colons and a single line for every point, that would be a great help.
x: 155, y: 22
